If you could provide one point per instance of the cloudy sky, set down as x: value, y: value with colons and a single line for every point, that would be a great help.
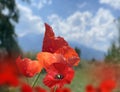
x: 87, y: 22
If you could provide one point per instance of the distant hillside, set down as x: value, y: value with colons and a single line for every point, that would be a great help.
x: 33, y: 42
x: 88, y: 53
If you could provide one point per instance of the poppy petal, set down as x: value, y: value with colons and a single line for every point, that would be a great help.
x: 50, y: 42
x: 28, y: 67
x: 70, y: 54
x: 48, y: 58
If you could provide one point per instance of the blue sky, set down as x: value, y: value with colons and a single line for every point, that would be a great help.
x: 87, y: 22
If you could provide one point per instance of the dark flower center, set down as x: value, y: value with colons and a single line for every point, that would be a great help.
x: 59, y: 76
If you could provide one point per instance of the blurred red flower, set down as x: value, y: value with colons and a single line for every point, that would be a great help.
x: 58, y: 74
x: 63, y: 90
x: 8, y: 74
x: 58, y: 45
x: 28, y: 67
x: 27, y: 88
x: 90, y: 88
x: 105, y: 86
x: 39, y: 89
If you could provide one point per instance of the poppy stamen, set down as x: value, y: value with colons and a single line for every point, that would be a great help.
x: 59, y: 76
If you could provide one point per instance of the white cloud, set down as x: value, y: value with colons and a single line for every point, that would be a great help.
x: 94, y: 31
x: 28, y: 22
x: 113, y: 3
x: 41, y: 3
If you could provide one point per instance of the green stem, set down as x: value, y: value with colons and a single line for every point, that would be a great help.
x: 36, y: 79
x: 55, y: 88
x: 27, y: 80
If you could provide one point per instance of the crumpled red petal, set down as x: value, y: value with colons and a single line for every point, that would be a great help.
x: 70, y: 54
x: 50, y: 42
x: 28, y: 67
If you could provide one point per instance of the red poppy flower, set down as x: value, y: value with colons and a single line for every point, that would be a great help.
x: 58, y: 45
x: 8, y: 74
x: 58, y: 74
x: 28, y: 67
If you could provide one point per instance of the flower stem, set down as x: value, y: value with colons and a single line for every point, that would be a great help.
x: 36, y: 79
x: 55, y: 88
x: 27, y: 80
